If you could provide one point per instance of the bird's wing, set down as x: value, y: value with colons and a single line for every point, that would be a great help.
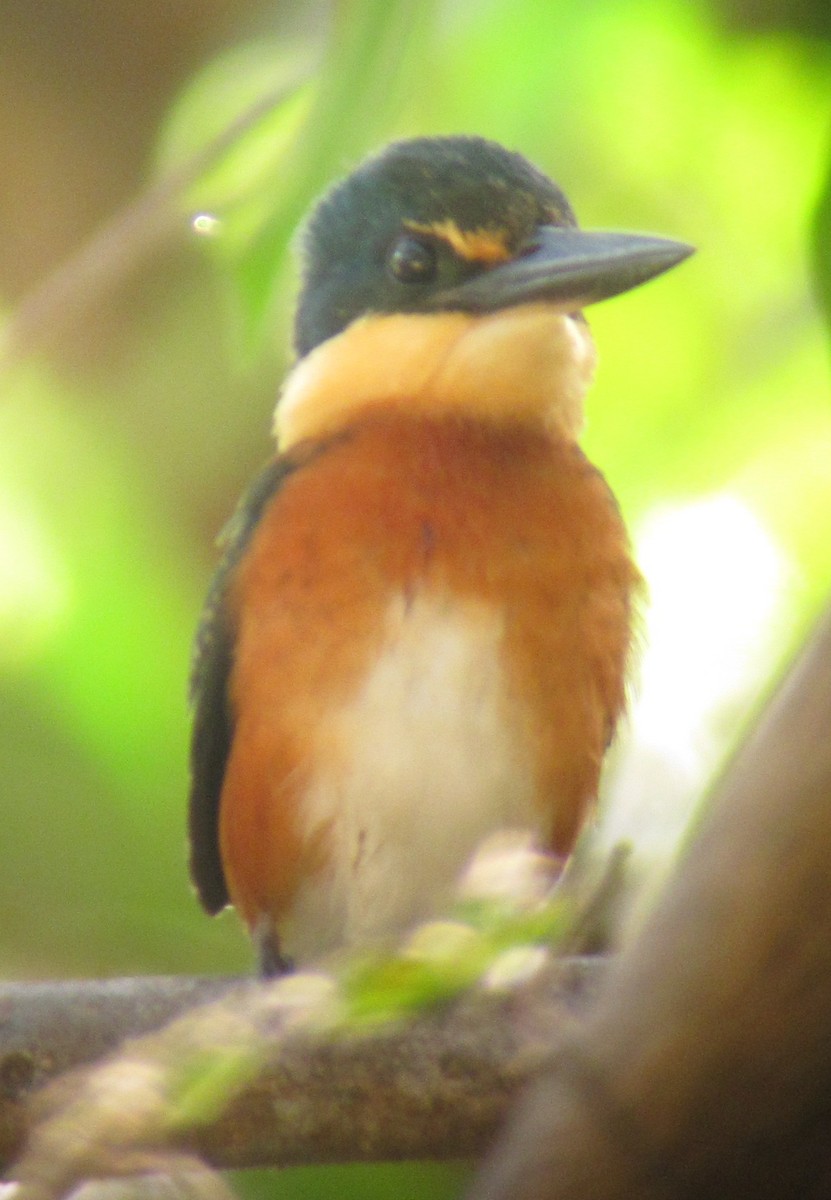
x: 213, y: 723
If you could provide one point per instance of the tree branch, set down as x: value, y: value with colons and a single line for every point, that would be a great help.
x: 49, y: 1028
x: 437, y: 1087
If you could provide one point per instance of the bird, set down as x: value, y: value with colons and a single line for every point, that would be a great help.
x: 419, y: 630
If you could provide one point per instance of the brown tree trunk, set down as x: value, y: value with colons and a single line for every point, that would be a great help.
x: 704, y: 1069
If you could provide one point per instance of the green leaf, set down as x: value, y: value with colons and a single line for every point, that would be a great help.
x: 374, y: 48
x: 231, y: 129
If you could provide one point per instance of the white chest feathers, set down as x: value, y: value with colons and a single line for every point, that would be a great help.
x: 423, y: 763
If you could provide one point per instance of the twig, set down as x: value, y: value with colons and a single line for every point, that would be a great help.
x: 119, y: 246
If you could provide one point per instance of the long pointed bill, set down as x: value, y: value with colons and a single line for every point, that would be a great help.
x: 574, y: 267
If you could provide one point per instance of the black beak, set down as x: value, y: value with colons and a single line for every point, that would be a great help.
x: 567, y: 266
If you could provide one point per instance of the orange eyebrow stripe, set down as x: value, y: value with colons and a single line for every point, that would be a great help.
x: 476, y: 245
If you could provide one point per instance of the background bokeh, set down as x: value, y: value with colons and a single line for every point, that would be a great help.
x: 155, y: 159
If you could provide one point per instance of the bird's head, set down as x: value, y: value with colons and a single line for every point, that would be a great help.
x: 450, y: 274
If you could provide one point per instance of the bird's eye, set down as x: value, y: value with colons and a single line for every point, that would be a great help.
x: 412, y: 260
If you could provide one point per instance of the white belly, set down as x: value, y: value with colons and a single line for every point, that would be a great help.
x: 424, y: 761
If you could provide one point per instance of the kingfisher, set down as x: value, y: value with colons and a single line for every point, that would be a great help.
x: 419, y: 630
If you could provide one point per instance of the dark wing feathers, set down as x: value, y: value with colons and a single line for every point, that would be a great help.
x: 213, y: 724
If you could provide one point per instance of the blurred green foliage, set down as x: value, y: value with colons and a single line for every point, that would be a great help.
x: 652, y: 116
